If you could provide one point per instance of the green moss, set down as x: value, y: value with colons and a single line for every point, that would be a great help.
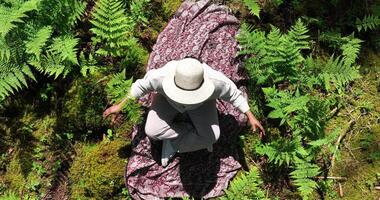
x: 170, y: 7
x: 14, y: 178
x: 83, y: 106
x: 97, y: 171
x: 359, y: 159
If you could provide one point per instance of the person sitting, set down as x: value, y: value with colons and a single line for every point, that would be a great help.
x: 189, y: 87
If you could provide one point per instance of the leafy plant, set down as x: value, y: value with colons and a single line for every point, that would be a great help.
x: 369, y: 22
x: 302, y: 177
x: 111, y: 26
x: 299, y: 93
x: 246, y: 186
x: 253, y: 7
x: 117, y: 89
x: 29, y: 38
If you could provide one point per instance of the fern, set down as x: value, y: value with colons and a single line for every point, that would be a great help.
x: 64, y: 48
x: 276, y: 55
x: 137, y: 12
x: 246, y: 186
x: 36, y: 42
x: 335, y: 73
x: 12, y: 77
x: 10, y: 16
x: 5, y: 50
x: 302, y: 177
x: 88, y: 66
x: 253, y: 7
x: 111, y: 26
x: 298, y: 34
x: 350, y: 50
x: 282, y: 151
x: 369, y: 22
x: 117, y: 89
x: 62, y: 14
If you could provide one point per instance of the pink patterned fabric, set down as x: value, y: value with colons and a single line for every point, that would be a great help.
x: 207, y: 32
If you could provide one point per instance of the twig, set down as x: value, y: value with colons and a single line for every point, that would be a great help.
x: 340, y: 190
x: 338, y: 141
x: 332, y: 177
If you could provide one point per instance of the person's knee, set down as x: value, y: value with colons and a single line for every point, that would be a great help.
x: 216, y: 132
x: 151, y: 131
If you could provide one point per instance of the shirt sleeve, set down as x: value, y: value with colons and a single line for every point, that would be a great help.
x: 152, y: 81
x: 233, y: 95
x: 143, y: 86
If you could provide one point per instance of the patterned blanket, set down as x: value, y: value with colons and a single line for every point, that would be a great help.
x: 207, y: 32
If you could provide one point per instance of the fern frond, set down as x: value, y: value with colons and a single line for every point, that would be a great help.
x: 137, y: 12
x: 87, y: 65
x: 298, y: 34
x: 302, y: 177
x: 77, y: 8
x: 282, y: 151
x: 13, y: 78
x: 50, y: 65
x: 369, y: 22
x: 5, y: 50
x: 117, y: 89
x: 253, y: 6
x: 62, y: 14
x: 9, y: 17
x: 110, y: 24
x: 36, y: 42
x: 336, y: 73
x: 245, y: 186
x: 350, y: 50
x: 65, y: 48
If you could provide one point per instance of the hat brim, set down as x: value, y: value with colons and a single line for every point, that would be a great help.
x: 187, y: 96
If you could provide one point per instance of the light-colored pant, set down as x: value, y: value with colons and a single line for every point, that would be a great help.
x: 160, y: 125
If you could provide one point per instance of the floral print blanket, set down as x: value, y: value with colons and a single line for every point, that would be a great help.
x: 207, y: 32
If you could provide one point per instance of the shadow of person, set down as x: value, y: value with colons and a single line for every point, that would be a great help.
x: 199, y: 174
x: 202, y: 171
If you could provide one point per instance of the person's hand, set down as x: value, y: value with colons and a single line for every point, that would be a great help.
x: 114, y: 112
x: 255, y: 124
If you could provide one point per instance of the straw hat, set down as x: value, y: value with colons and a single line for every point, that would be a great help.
x: 187, y: 83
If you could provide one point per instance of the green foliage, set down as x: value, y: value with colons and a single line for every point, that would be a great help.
x: 64, y: 48
x: 117, y: 89
x: 246, y: 186
x: 302, y: 177
x: 336, y: 74
x: 9, y: 196
x: 282, y: 151
x: 12, y: 77
x: 88, y: 66
x: 299, y: 93
x: 63, y: 15
x: 138, y: 12
x: 253, y: 7
x: 369, y: 22
x: 111, y: 25
x: 37, y: 41
x: 97, y: 171
x: 10, y: 16
x: 83, y: 105
x: 26, y: 40
x: 277, y: 56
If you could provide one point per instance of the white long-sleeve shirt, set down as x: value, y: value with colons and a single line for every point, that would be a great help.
x: 225, y: 89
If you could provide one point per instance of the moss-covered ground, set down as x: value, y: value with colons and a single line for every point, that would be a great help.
x: 50, y: 138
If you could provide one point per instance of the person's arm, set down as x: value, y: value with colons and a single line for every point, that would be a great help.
x: 138, y: 89
x: 232, y: 94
